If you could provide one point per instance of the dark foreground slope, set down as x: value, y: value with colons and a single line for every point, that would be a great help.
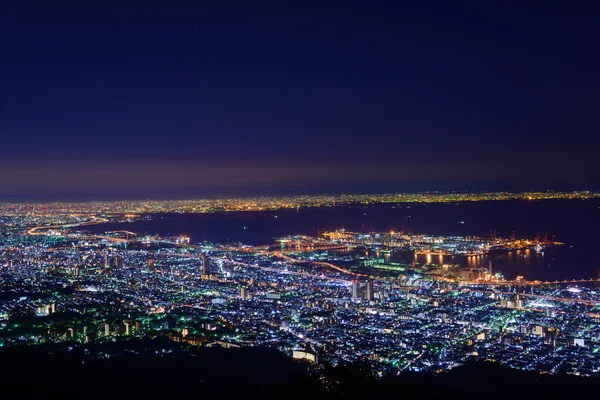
x: 147, y: 367
x: 159, y: 368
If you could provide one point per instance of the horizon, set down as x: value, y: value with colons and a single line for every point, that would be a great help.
x: 16, y: 199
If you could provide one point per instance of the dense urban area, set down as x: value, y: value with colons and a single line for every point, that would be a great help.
x: 323, y: 299
x: 272, y: 203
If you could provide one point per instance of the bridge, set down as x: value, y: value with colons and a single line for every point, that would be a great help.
x: 310, y: 248
x: 95, y: 221
x: 300, y: 246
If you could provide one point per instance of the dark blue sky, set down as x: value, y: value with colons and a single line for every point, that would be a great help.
x: 238, y: 98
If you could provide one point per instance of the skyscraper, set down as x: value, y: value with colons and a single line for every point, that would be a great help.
x: 106, y: 260
x: 518, y: 302
x: 369, y: 291
x: 354, y: 290
x: 205, y: 265
x: 243, y: 292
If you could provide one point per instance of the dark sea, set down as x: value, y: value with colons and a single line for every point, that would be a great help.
x: 574, y: 222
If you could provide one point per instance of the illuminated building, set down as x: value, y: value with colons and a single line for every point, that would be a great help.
x: 150, y: 265
x: 304, y: 355
x: 540, y: 330
x: 369, y: 291
x: 354, y: 290
x: 519, y: 302
x: 205, y: 265
x: 182, y: 240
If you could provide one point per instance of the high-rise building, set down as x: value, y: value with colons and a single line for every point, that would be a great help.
x: 540, y: 330
x: 205, y: 265
x: 369, y: 291
x: 524, y: 330
x: 490, y: 267
x: 150, y: 265
x: 354, y: 290
x: 243, y: 292
x: 118, y: 262
x: 106, y: 260
x: 519, y: 302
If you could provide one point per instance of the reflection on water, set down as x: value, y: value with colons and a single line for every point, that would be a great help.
x: 552, y: 263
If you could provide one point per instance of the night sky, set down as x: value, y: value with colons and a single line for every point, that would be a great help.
x: 243, y: 98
